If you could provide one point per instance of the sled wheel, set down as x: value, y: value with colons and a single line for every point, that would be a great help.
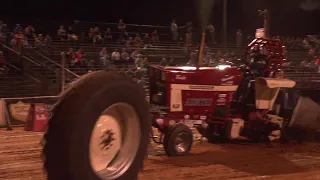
x: 99, y: 130
x: 178, y: 141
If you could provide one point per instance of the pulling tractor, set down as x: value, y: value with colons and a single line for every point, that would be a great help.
x: 100, y: 128
x: 222, y: 103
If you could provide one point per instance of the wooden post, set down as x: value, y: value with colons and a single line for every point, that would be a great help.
x: 63, y: 76
x: 200, y: 56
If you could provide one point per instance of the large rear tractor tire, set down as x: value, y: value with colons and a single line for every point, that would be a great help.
x: 178, y: 141
x: 99, y: 130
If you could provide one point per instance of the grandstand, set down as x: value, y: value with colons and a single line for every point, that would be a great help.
x: 37, y: 71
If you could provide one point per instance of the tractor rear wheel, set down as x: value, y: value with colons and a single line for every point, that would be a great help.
x: 99, y: 130
x: 178, y: 141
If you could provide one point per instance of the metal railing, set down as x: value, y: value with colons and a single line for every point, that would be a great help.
x: 27, y: 74
x: 21, y: 55
x: 55, y: 63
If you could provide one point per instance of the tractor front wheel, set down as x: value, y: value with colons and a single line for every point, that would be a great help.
x: 178, y: 141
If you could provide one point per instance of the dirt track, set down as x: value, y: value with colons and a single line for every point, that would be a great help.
x: 20, y: 159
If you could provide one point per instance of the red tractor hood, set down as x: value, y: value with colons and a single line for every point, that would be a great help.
x: 220, y: 75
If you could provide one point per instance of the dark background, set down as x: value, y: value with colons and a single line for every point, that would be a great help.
x: 288, y: 17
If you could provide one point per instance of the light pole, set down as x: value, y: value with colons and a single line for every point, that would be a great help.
x: 224, y: 20
x: 265, y: 14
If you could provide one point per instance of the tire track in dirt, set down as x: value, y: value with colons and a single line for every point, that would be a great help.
x: 20, y: 160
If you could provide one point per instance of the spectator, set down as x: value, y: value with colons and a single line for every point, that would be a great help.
x: 135, y: 54
x: 19, y: 38
x: 143, y: 67
x: 70, y: 56
x: 163, y: 62
x: 122, y: 29
x: 188, y: 33
x: 71, y: 34
x: 39, y: 42
x: 174, y: 30
x: 131, y: 41
x: 208, y: 59
x: 17, y: 29
x: 193, y: 58
x: 104, y: 57
x: 239, y: 37
x: 137, y: 40
x: 97, y: 38
x: 76, y: 27
x: 115, y: 56
x: 155, y: 37
x: 171, y: 62
x: 47, y: 41
x: 62, y: 34
x: 211, y: 34
x: 13, y: 44
x: 233, y: 57
x: 25, y: 43
x: 140, y: 81
x: 29, y: 32
x: 123, y: 41
x: 305, y: 42
x: 186, y: 49
x: 124, y: 55
x: 144, y: 64
x: 128, y: 46
x: 78, y: 58
x: 90, y: 34
x: 108, y: 35
x: 138, y: 60
x: 146, y: 39
x: 218, y: 55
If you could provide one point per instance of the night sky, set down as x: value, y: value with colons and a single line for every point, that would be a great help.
x: 288, y: 17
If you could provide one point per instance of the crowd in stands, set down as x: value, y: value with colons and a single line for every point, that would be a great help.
x: 132, y: 47
x: 310, y: 44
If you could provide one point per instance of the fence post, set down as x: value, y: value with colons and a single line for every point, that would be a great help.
x: 63, y: 76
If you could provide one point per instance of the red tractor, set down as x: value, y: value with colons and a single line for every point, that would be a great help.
x: 100, y: 127
x: 222, y: 102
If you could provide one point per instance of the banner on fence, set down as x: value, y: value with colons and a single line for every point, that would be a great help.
x: 19, y: 112
x: 22, y: 110
x: 40, y: 117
